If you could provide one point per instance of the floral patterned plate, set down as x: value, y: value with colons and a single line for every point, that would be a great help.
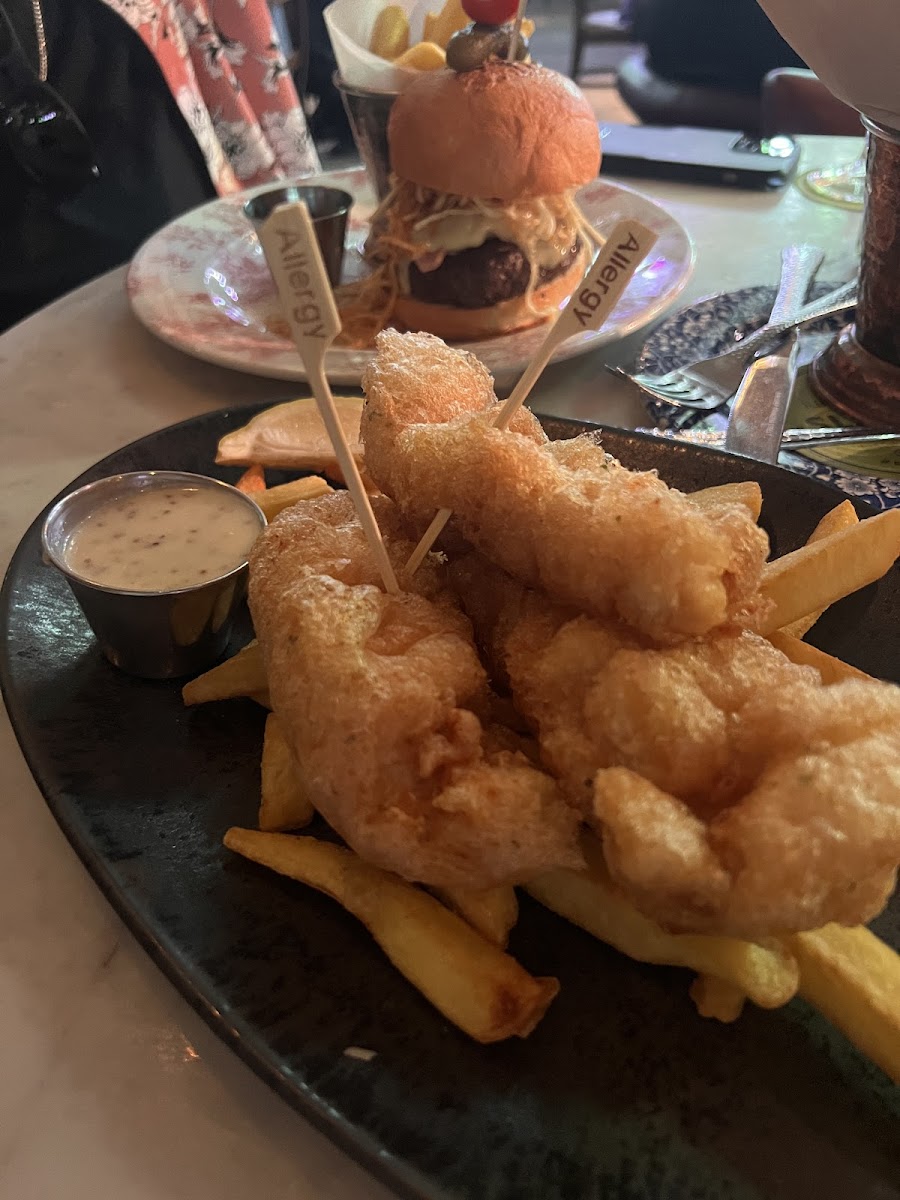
x: 201, y: 284
x: 708, y: 327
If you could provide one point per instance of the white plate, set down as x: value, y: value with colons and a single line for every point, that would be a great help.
x: 201, y: 284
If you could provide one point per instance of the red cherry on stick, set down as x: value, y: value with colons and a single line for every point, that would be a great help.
x: 490, y: 12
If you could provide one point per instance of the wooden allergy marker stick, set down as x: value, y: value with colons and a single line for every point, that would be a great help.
x: 292, y: 252
x: 588, y: 308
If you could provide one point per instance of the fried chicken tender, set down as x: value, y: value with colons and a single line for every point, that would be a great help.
x: 734, y: 792
x: 380, y: 698
x: 563, y: 516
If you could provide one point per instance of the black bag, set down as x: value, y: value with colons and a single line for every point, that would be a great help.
x: 150, y: 166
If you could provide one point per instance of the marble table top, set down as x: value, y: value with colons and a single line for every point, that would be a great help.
x: 110, y: 1085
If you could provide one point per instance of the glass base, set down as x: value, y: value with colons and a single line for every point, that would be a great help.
x: 843, y: 186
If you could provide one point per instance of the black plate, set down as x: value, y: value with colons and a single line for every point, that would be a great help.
x: 622, y: 1092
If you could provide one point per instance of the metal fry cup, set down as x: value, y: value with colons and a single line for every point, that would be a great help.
x: 328, y: 210
x: 368, y: 113
x: 154, y: 634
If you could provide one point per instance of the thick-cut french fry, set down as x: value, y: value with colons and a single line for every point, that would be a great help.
x: 842, y: 516
x: 390, y: 33
x: 853, y: 978
x: 473, y: 983
x: 284, y: 803
x: 832, y: 670
x: 242, y: 675
x: 440, y: 27
x: 492, y: 911
x: 749, y: 494
x: 717, y: 999
x: 276, y: 499
x: 424, y: 56
x: 816, y: 575
x: 589, y: 899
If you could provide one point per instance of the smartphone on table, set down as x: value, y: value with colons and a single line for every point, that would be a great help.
x: 704, y: 156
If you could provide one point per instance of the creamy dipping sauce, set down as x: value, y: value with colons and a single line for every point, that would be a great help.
x: 162, y: 538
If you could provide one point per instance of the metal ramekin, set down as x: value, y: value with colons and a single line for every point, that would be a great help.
x: 160, y: 634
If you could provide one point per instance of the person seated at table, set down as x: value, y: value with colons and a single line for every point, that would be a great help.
x: 328, y: 121
x: 726, y: 44
x: 152, y: 111
x: 58, y: 233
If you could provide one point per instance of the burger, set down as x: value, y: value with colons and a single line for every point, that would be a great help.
x: 481, y: 233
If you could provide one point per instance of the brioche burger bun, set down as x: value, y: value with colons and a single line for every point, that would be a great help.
x: 482, y: 224
x: 506, y: 131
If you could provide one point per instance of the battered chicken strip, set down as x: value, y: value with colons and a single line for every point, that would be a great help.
x: 563, y: 516
x: 734, y: 792
x: 380, y: 698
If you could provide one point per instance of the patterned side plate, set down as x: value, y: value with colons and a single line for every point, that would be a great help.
x: 710, y: 326
x: 201, y: 284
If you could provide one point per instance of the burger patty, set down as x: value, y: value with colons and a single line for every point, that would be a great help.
x: 482, y: 276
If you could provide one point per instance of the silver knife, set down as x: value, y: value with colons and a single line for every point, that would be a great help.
x: 791, y: 438
x: 760, y: 405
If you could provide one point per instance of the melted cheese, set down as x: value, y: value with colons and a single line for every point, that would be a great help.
x: 414, y: 222
x: 544, y: 229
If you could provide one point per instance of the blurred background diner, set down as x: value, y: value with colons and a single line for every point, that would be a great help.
x: 153, y: 108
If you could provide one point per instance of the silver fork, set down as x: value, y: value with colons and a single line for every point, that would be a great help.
x: 709, y: 384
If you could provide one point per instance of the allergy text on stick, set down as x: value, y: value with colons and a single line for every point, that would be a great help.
x: 295, y: 265
x: 608, y: 277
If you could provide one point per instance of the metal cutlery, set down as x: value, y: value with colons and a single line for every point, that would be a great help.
x: 760, y: 404
x: 710, y: 383
x: 799, y: 438
x: 759, y: 408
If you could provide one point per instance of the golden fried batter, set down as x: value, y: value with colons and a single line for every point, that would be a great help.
x: 562, y: 516
x: 734, y: 792
x: 380, y: 697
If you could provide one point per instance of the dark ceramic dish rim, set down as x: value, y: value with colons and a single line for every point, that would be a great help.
x: 356, y: 1142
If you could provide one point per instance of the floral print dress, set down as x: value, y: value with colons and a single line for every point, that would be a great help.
x: 225, y: 68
